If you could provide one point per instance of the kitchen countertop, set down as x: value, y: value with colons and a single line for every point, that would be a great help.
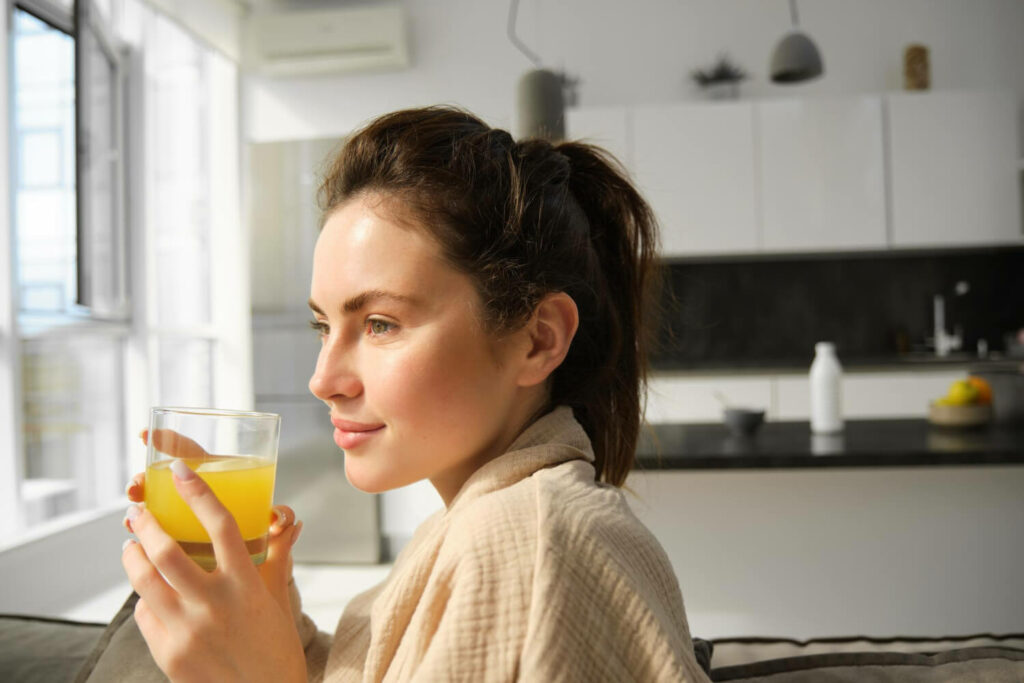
x: 863, y: 443
x: 910, y: 361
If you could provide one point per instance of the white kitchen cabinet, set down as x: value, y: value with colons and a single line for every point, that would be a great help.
x: 818, y: 551
x: 695, y: 164
x: 606, y: 127
x: 952, y: 158
x: 897, y: 394
x: 821, y: 166
x: 684, y: 398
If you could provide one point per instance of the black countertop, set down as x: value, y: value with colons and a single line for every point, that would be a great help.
x: 863, y: 443
x: 909, y: 361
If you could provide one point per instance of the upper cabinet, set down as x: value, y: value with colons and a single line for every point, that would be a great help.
x: 822, y: 169
x: 606, y: 127
x: 821, y: 174
x: 695, y: 164
x: 953, y: 166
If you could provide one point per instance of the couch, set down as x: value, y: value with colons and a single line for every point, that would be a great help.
x: 43, y: 650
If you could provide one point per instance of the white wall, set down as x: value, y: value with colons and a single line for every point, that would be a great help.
x: 633, y: 52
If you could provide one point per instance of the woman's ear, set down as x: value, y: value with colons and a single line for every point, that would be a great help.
x: 550, y: 331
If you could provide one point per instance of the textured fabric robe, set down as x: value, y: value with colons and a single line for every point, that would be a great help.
x: 533, y: 573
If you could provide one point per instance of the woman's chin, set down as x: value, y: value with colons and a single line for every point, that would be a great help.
x: 367, y: 481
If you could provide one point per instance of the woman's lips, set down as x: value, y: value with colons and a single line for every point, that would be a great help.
x: 348, y: 434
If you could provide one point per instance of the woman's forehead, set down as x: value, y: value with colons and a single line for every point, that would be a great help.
x: 367, y: 227
x: 363, y: 246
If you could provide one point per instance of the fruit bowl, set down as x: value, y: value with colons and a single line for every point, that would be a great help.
x: 959, y: 416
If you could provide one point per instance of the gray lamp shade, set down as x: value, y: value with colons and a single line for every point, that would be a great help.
x: 796, y: 58
x: 540, y: 104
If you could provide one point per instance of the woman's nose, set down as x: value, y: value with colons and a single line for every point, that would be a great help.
x: 334, y: 375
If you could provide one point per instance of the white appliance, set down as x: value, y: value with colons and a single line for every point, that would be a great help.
x: 292, y: 42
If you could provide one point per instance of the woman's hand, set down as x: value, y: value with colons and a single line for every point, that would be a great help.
x: 282, y: 517
x: 234, y: 623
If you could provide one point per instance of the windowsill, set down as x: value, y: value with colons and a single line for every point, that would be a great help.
x: 61, y: 524
x: 35, y: 490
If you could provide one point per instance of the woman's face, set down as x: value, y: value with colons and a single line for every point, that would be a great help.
x: 416, y: 387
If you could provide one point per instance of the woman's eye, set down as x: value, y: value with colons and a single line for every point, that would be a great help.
x: 321, y: 328
x: 378, y: 327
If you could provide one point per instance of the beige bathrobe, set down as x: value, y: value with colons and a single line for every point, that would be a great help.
x: 534, y: 573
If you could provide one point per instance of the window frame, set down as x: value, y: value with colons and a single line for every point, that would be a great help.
x: 85, y: 23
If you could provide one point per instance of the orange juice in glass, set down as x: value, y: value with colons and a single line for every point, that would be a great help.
x: 234, y: 452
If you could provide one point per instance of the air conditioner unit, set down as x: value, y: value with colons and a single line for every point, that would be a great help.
x: 303, y: 42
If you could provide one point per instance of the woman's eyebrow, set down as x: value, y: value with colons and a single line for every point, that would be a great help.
x: 362, y: 299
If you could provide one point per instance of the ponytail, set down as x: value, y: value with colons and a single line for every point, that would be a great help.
x: 524, y: 219
x: 604, y: 378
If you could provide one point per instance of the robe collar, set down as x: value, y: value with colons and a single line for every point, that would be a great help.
x: 551, y: 440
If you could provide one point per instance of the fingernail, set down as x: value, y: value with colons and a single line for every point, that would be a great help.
x: 128, y: 488
x: 181, y: 471
x: 124, y: 546
x: 278, y: 518
x: 130, y: 515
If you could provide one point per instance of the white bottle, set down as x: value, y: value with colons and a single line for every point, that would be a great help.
x: 826, y: 375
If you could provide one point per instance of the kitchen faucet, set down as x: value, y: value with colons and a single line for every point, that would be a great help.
x: 944, y: 341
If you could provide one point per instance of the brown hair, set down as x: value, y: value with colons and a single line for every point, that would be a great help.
x: 524, y: 219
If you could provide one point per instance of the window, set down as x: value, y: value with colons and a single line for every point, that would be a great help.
x: 124, y: 183
x: 43, y: 118
x: 70, y: 264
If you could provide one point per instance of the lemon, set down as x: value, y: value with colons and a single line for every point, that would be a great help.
x: 962, y: 393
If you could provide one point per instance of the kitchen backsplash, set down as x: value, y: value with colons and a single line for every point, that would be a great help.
x: 769, y: 311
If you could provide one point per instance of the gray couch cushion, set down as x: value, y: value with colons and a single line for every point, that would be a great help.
x: 988, y: 664
x: 736, y: 651
x: 121, y: 653
x: 41, y: 650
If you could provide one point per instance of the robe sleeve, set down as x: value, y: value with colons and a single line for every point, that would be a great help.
x: 606, y: 604
x: 314, y: 643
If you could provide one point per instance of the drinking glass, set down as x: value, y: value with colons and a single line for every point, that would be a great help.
x: 234, y: 452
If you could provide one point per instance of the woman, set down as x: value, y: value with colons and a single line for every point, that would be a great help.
x: 482, y: 310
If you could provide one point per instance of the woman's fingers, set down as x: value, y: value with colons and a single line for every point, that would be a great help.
x: 174, y: 444
x: 162, y: 554
x: 136, y: 489
x: 281, y: 518
x: 276, y: 570
x: 147, y: 581
x: 228, y: 546
x: 152, y: 628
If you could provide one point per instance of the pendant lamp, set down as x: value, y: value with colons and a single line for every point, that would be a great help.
x: 540, y: 105
x: 796, y: 57
x: 541, y: 94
